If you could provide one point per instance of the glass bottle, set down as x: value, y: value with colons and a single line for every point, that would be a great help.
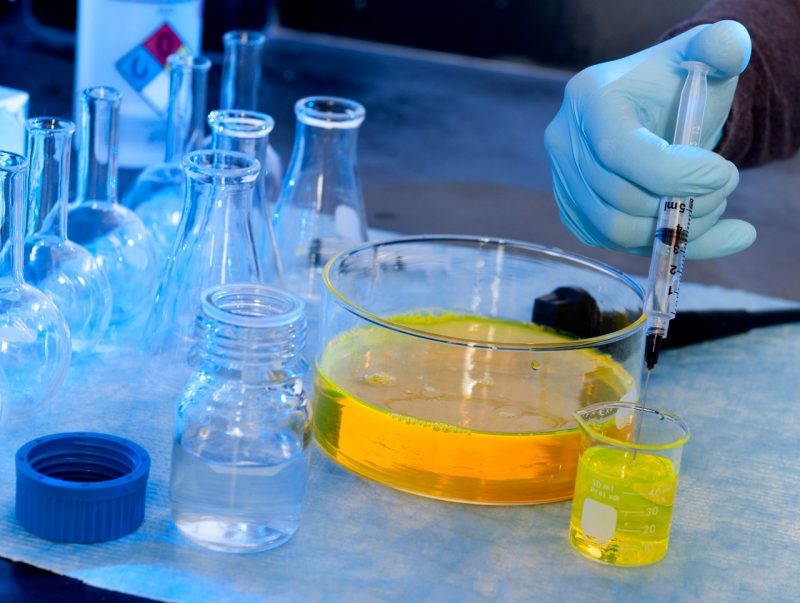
x: 215, y: 245
x: 35, y: 346
x: 320, y: 211
x: 64, y: 271
x: 111, y: 232
x: 248, y: 132
x: 240, y: 454
x: 157, y: 196
x: 241, y: 85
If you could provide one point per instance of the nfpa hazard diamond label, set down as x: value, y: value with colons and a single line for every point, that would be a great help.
x: 144, y: 67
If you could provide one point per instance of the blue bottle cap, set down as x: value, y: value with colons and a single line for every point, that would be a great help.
x: 81, y: 487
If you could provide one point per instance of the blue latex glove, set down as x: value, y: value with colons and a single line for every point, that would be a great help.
x: 611, y: 153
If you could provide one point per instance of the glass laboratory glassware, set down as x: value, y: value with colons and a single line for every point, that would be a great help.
x: 248, y: 133
x: 125, y: 45
x: 320, y: 211
x: 240, y: 454
x: 158, y: 194
x: 626, y: 482
x: 63, y: 270
x: 110, y: 231
x: 241, y: 85
x: 215, y: 245
x: 35, y: 346
x: 435, y: 376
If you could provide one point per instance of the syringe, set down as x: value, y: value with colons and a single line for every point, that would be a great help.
x: 672, y: 231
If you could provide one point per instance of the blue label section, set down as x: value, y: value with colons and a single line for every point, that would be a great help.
x: 138, y: 67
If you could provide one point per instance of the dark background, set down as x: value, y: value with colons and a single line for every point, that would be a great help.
x: 560, y: 33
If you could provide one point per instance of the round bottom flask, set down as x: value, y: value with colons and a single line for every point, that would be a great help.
x: 35, y: 347
x: 120, y: 243
x: 240, y: 455
x: 71, y: 277
x: 66, y: 272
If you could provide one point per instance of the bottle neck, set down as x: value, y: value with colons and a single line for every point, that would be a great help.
x: 12, y: 196
x: 253, y: 333
x: 98, y: 151
x: 241, y: 70
x: 49, y: 151
x: 187, y: 105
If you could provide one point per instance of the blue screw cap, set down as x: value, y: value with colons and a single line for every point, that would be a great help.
x: 81, y: 487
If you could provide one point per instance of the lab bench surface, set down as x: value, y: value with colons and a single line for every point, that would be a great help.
x: 455, y: 145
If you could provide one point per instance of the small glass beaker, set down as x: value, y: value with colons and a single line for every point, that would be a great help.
x: 626, y: 482
x: 240, y: 455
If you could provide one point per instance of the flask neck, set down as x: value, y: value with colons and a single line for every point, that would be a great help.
x: 241, y: 69
x: 98, y: 150
x: 12, y: 196
x: 253, y: 333
x: 328, y: 149
x: 186, y: 114
x: 49, y: 150
x: 243, y: 131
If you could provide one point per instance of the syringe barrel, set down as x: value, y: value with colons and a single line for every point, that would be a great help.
x: 675, y: 213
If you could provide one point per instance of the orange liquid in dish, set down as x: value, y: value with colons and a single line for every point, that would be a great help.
x: 457, y: 422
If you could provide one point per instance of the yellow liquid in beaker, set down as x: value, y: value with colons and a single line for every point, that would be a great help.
x: 458, y: 422
x: 622, y: 509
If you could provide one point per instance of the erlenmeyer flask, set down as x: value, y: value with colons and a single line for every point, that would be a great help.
x: 248, y: 132
x: 241, y: 84
x: 215, y: 245
x: 157, y: 196
x: 63, y: 270
x: 111, y: 232
x: 35, y: 347
x: 320, y: 211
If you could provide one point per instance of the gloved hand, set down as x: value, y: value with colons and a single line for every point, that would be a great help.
x: 611, y: 153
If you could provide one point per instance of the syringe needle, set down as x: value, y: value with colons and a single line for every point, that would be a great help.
x: 672, y: 230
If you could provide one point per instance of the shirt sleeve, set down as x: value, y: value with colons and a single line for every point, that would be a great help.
x: 764, y: 122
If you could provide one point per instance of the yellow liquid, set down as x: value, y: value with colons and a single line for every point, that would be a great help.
x: 622, y: 510
x: 456, y: 422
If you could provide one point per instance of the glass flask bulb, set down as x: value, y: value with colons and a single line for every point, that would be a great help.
x: 243, y: 425
x: 215, y: 245
x: 97, y: 221
x: 66, y: 272
x: 35, y: 345
x: 158, y: 193
x: 248, y: 132
x: 320, y: 211
x: 241, y: 86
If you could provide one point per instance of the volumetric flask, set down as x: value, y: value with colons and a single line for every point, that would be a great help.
x: 215, y: 245
x: 320, y: 211
x: 241, y: 86
x: 248, y: 133
x: 35, y: 347
x: 111, y: 232
x: 63, y: 270
x: 158, y: 194
x: 240, y: 455
x: 626, y: 482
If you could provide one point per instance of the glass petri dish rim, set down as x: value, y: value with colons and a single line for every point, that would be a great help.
x: 576, y: 344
